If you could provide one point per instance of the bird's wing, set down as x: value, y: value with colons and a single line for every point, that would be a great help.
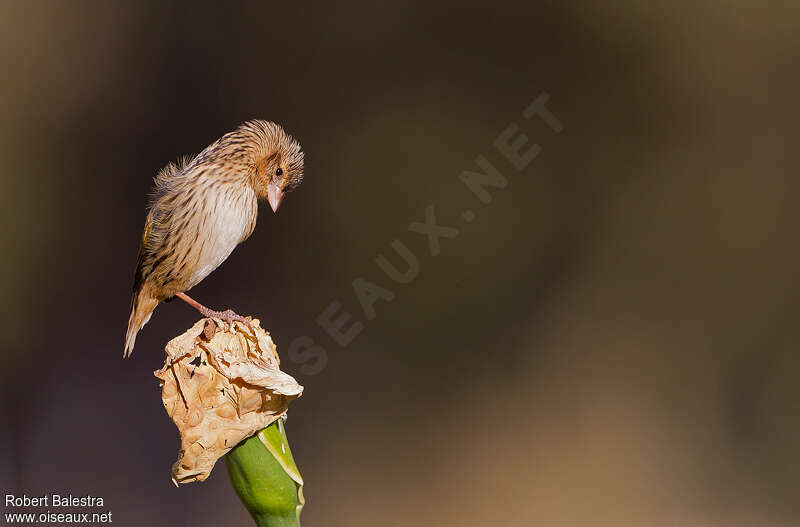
x: 154, y: 227
x: 139, y: 277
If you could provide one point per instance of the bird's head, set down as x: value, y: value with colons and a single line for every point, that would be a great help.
x: 277, y: 161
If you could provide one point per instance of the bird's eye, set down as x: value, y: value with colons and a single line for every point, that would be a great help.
x: 279, y: 171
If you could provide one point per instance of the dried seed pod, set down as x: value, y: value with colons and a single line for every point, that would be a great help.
x: 220, y: 387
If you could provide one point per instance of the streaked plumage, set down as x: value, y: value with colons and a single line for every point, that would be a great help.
x: 202, y: 208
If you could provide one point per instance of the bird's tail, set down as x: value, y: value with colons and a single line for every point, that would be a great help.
x: 142, y: 307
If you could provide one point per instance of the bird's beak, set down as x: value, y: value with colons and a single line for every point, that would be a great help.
x: 274, y: 196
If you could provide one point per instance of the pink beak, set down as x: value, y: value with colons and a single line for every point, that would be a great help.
x: 274, y: 196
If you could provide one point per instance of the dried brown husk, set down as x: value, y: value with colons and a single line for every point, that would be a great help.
x: 220, y: 385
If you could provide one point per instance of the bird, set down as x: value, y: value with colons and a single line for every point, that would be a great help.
x: 201, y: 208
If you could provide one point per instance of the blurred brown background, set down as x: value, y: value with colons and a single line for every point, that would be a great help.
x: 611, y: 341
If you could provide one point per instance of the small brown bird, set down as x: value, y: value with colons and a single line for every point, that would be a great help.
x: 202, y: 208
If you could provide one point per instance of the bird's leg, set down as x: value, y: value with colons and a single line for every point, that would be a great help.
x: 228, y: 315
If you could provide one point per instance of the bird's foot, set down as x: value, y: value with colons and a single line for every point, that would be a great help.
x: 230, y: 317
x: 227, y: 316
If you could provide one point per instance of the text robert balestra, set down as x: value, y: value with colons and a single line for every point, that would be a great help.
x: 53, y: 500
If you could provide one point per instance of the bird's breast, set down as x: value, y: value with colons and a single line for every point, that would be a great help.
x: 229, y: 220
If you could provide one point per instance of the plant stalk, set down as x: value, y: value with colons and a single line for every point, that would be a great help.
x: 264, y: 475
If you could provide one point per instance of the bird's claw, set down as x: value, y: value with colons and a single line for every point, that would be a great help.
x: 230, y: 317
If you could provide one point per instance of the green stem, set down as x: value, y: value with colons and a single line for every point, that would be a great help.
x: 264, y: 475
